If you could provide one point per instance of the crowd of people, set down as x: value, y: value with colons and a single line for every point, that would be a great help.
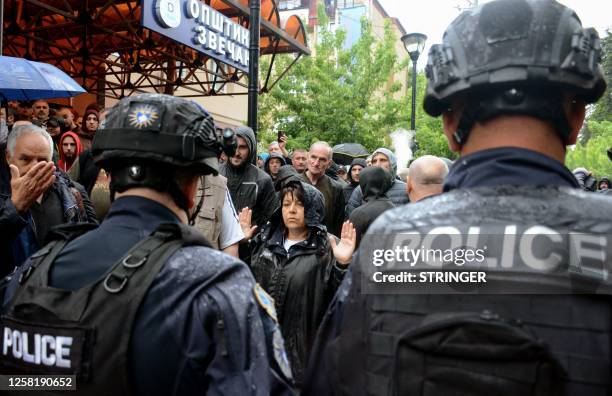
x: 261, y: 293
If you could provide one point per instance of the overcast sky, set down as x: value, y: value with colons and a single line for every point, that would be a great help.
x: 432, y: 16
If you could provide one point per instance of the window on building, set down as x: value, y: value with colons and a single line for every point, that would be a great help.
x: 291, y: 4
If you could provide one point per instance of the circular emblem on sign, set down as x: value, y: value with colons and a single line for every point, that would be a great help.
x: 168, y: 12
x: 142, y: 116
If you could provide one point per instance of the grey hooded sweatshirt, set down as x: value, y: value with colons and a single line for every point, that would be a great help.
x: 397, y: 193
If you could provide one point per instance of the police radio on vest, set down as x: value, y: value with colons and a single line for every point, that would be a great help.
x: 39, y: 349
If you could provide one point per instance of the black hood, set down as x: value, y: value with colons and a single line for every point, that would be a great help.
x: 267, y: 162
x: 314, y: 205
x: 247, y: 134
x: 356, y: 161
x: 332, y: 171
x: 374, y: 182
x: 285, y: 174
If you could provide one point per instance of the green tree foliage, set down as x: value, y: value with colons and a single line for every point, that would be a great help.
x: 603, y: 109
x: 592, y: 154
x: 596, y: 135
x: 344, y: 95
x: 430, y: 137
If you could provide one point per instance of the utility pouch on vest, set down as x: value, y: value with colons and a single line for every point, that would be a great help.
x: 474, y: 354
x: 86, y: 332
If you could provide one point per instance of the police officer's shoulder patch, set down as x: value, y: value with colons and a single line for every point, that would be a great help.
x: 265, y: 301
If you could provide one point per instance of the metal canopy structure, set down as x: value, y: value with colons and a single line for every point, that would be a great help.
x: 102, y: 44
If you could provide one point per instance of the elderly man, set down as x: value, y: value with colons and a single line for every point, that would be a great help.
x: 319, y: 159
x: 36, y: 199
x: 426, y: 177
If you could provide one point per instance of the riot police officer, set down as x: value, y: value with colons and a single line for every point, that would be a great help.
x: 142, y: 304
x: 511, y: 81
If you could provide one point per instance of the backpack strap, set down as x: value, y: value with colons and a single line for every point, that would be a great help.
x: 121, y: 273
x: 60, y: 237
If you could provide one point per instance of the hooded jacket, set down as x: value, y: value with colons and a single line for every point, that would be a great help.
x: 248, y: 185
x: 285, y: 174
x: 397, y: 193
x: 63, y: 163
x: 332, y: 171
x: 263, y: 156
x: 375, y: 182
x: 334, y: 201
x: 267, y: 163
x: 85, y: 135
x: 302, y: 281
x: 352, y: 184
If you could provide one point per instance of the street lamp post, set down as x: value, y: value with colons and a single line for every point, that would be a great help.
x: 414, y: 44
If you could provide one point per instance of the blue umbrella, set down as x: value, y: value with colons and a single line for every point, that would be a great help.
x: 21, y: 79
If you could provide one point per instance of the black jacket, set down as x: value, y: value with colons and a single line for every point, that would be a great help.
x: 198, y: 329
x: 88, y: 171
x: 267, y: 164
x: 301, y: 281
x: 375, y: 182
x: 352, y: 184
x: 285, y: 173
x: 507, y: 188
x: 334, y: 202
x: 59, y: 206
x: 249, y: 185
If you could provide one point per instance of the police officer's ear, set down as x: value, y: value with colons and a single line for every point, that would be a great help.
x: 450, y: 123
x: 575, y: 111
x: 188, y: 183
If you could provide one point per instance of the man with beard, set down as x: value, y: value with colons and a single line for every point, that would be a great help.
x: 249, y: 186
x: 70, y: 149
x: 67, y: 113
x: 41, y: 112
x: 356, y: 167
x: 91, y: 122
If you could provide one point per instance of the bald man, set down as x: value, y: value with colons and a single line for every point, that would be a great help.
x: 425, y: 177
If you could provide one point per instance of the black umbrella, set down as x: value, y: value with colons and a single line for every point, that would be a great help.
x: 345, y: 153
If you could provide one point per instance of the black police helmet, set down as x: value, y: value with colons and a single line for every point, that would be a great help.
x: 506, y: 50
x: 157, y: 129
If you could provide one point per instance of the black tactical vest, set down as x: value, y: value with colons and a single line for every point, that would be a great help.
x: 495, y: 344
x: 86, y: 332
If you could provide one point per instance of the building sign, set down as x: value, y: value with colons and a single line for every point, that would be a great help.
x: 195, y: 24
